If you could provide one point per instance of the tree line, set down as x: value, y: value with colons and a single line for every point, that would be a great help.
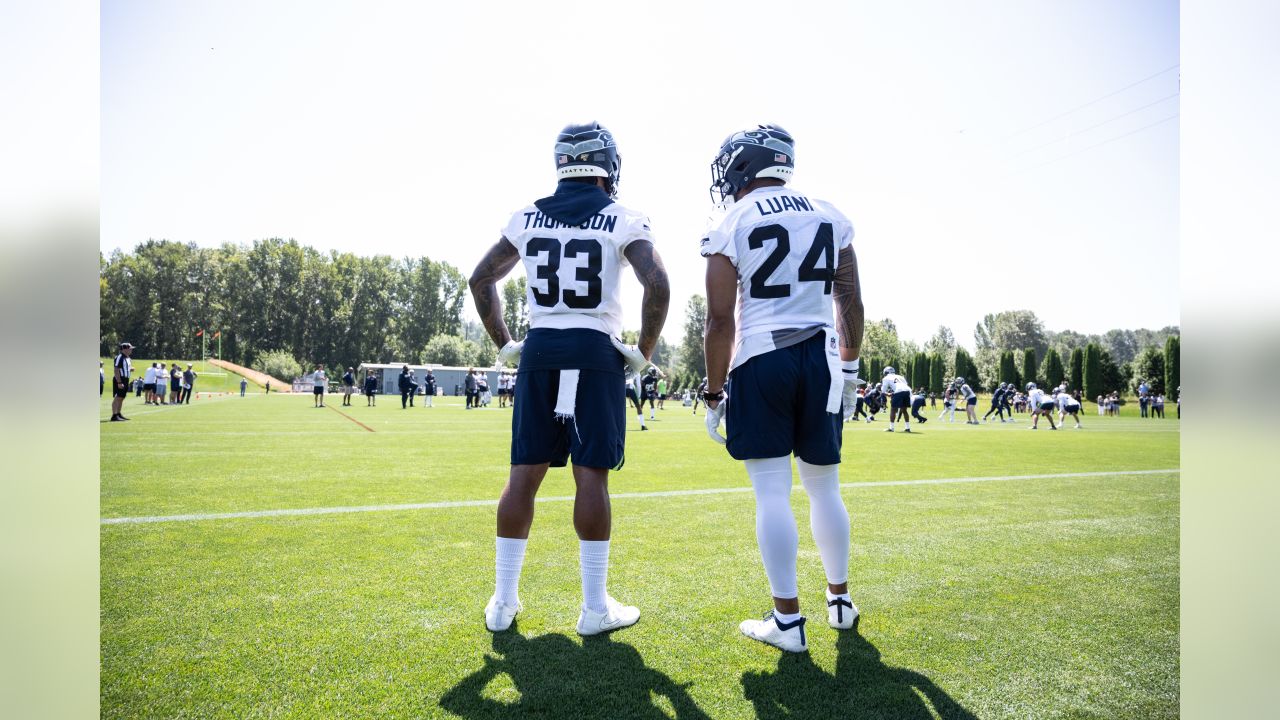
x: 278, y: 305
x: 282, y: 299
x: 1012, y: 347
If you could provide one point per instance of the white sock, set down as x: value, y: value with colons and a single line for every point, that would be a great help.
x: 828, y: 518
x: 775, y: 525
x: 832, y: 596
x: 640, y: 417
x: 509, y: 559
x: 594, y: 561
x: 890, y: 426
x: 785, y: 617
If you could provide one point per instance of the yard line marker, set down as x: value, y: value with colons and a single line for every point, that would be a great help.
x: 617, y: 496
x: 366, y: 427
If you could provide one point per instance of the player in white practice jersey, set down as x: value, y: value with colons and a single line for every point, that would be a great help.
x: 1040, y: 404
x: 1067, y: 405
x: 898, y: 390
x: 780, y: 256
x: 574, y: 246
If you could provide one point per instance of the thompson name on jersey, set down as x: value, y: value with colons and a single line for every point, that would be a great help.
x: 574, y: 270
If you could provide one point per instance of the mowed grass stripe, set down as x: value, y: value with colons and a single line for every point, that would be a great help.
x: 193, y: 517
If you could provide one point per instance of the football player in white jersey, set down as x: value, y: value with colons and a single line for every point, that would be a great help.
x: 781, y: 257
x: 970, y: 401
x: 574, y: 246
x: 1067, y: 405
x: 898, y: 390
x: 1040, y: 404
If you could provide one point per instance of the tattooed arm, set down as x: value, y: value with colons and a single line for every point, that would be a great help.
x: 484, y: 288
x: 657, y: 293
x: 848, y: 297
x: 721, y: 327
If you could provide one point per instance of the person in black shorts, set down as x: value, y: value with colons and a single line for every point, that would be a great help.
x: 120, y: 370
x: 370, y: 388
x: 319, y: 383
x: 429, y: 390
x: 917, y: 404
x: 697, y: 394
x: 649, y: 391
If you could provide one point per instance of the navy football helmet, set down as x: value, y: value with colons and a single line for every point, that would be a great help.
x: 767, y: 151
x: 588, y: 150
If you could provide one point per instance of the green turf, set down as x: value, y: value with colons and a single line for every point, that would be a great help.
x: 1013, y: 598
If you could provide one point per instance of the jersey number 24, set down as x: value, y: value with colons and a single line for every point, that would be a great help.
x: 823, y: 250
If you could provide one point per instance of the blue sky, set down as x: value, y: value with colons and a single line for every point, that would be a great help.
x: 991, y: 156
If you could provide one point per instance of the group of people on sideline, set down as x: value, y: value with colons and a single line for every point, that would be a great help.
x: 162, y: 385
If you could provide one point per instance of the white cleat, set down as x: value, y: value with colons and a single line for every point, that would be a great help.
x: 498, y: 615
x: 789, y: 636
x: 888, y: 429
x: 1077, y: 426
x: 615, y: 617
x: 842, y: 614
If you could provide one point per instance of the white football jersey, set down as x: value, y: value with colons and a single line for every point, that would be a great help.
x: 1035, y: 397
x: 574, y: 270
x: 785, y: 246
x: 895, y: 384
x: 967, y: 391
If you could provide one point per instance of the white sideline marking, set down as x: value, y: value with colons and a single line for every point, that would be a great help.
x: 567, y: 498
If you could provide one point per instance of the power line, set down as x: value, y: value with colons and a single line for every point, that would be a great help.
x: 1098, y: 144
x: 1093, y: 102
x: 1098, y: 125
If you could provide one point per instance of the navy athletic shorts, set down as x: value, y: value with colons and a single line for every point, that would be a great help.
x: 1048, y: 405
x: 972, y: 401
x: 901, y: 400
x: 778, y: 406
x: 594, y: 438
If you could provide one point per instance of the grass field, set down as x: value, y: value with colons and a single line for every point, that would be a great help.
x: 1023, y: 596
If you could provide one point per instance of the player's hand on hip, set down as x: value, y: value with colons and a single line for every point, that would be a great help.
x: 714, y: 416
x: 509, y: 355
x: 631, y: 355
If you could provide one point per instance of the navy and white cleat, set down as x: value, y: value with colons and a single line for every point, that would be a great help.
x: 784, y: 636
x: 842, y: 614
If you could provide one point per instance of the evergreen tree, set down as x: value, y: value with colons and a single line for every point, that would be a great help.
x: 875, y: 368
x: 1076, y: 375
x: 1051, y: 370
x: 966, y: 369
x: 1008, y: 369
x: 920, y: 371
x: 1172, y: 365
x: 1094, y: 385
x: 692, y: 355
x: 937, y: 372
x: 1029, y: 367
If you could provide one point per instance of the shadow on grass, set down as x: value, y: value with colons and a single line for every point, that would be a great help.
x: 862, y: 687
x: 553, y: 676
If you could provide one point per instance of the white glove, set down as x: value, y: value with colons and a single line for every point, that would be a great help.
x: 714, y: 416
x: 849, y: 368
x: 509, y: 355
x: 632, y: 355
